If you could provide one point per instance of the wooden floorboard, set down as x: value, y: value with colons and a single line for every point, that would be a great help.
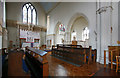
x: 106, y: 72
x: 15, y: 65
x: 58, y: 67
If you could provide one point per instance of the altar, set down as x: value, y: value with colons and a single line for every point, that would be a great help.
x: 29, y: 38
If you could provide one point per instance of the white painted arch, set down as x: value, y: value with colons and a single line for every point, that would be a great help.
x: 73, y: 18
x: 68, y: 27
x: 56, y: 26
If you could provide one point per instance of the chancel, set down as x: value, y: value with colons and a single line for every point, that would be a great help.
x: 47, y: 39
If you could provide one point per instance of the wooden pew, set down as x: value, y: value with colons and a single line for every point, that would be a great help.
x: 34, y: 66
x: 37, y: 62
x: 77, y: 57
x: 88, y: 52
x: 94, y: 55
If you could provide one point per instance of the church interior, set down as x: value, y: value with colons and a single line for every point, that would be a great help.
x: 59, y: 39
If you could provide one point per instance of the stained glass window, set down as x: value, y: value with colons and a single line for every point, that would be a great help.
x: 29, y: 14
x: 61, y: 29
x: 85, y: 34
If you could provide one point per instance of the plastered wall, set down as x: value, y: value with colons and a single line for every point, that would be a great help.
x: 99, y: 24
x: 1, y: 18
x: 14, y: 12
x: 78, y: 26
x: 119, y: 22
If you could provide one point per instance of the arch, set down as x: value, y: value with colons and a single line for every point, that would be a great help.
x: 58, y: 37
x: 56, y: 26
x: 29, y: 14
x: 73, y: 18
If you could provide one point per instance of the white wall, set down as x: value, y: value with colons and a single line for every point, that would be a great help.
x: 101, y: 24
x: 14, y: 12
x: 42, y: 38
x: 58, y: 37
x: 1, y: 18
x: 12, y: 35
x: 78, y: 26
x: 1, y: 12
x: 119, y: 22
x: 106, y: 20
x: 52, y: 38
x: 115, y: 23
x: 65, y: 11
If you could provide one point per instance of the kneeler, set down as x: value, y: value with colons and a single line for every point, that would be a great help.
x: 24, y: 66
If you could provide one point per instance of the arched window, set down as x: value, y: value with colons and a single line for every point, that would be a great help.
x: 85, y: 33
x: 29, y: 14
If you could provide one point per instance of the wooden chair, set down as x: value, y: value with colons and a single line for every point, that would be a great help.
x: 113, y: 52
x: 117, y: 62
x: 118, y: 42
